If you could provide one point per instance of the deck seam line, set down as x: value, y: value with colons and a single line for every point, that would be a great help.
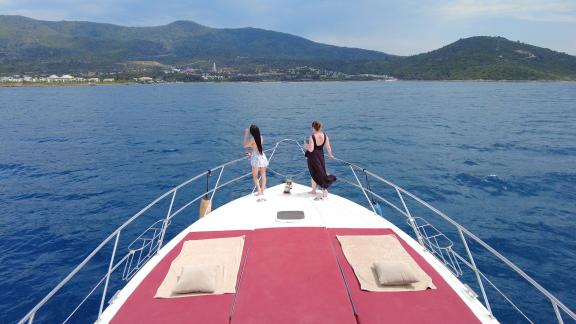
x: 342, y: 275
x: 233, y: 307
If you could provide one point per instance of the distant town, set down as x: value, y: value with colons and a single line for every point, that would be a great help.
x: 65, y: 78
x: 174, y: 74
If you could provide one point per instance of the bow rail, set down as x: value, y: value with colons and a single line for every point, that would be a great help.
x: 464, y: 233
x: 147, y: 244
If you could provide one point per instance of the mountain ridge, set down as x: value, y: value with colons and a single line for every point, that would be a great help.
x: 30, y: 45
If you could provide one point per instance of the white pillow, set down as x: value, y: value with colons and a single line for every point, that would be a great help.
x: 394, y: 273
x: 196, y: 279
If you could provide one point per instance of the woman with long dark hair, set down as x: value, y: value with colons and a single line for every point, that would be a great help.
x: 258, y: 159
x: 316, y: 163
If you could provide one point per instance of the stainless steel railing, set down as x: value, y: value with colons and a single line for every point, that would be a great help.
x: 142, y: 249
x: 159, y: 237
x: 152, y: 239
x: 464, y: 235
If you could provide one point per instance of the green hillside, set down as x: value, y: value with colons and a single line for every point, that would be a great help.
x: 33, y: 45
x: 29, y: 45
x: 488, y: 58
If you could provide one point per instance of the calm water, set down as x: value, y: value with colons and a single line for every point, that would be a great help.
x: 76, y: 162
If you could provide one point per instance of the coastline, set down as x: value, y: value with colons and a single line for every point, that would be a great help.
x: 71, y: 84
x: 61, y: 84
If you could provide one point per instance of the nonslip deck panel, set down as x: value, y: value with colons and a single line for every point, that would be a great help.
x: 292, y: 276
x: 141, y: 307
x: 441, y: 305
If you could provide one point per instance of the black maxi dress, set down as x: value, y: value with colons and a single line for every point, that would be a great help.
x: 317, y: 165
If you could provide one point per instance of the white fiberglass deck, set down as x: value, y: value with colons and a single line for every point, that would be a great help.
x: 249, y: 213
x: 334, y: 215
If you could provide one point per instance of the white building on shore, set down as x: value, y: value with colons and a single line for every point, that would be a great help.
x: 64, y: 78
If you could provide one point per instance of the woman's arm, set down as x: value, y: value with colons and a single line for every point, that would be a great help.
x: 309, y: 146
x: 246, y: 142
x: 329, y: 148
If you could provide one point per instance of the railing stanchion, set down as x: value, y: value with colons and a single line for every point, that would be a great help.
x: 166, y: 221
x: 557, y: 311
x: 217, y: 182
x: 362, y: 188
x: 31, y: 320
x: 476, y: 271
x: 110, y: 265
x: 411, y: 219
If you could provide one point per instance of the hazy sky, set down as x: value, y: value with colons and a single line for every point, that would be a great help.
x: 398, y: 27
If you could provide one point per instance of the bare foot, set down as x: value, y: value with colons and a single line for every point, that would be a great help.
x: 258, y: 194
x: 312, y: 192
x: 325, y: 194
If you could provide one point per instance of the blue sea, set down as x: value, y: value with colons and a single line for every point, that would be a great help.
x: 76, y: 162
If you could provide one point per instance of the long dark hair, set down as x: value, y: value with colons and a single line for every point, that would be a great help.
x: 255, y: 132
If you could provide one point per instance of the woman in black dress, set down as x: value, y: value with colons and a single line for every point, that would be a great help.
x: 315, y: 155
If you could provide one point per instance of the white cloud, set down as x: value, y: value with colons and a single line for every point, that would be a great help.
x: 536, y: 10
